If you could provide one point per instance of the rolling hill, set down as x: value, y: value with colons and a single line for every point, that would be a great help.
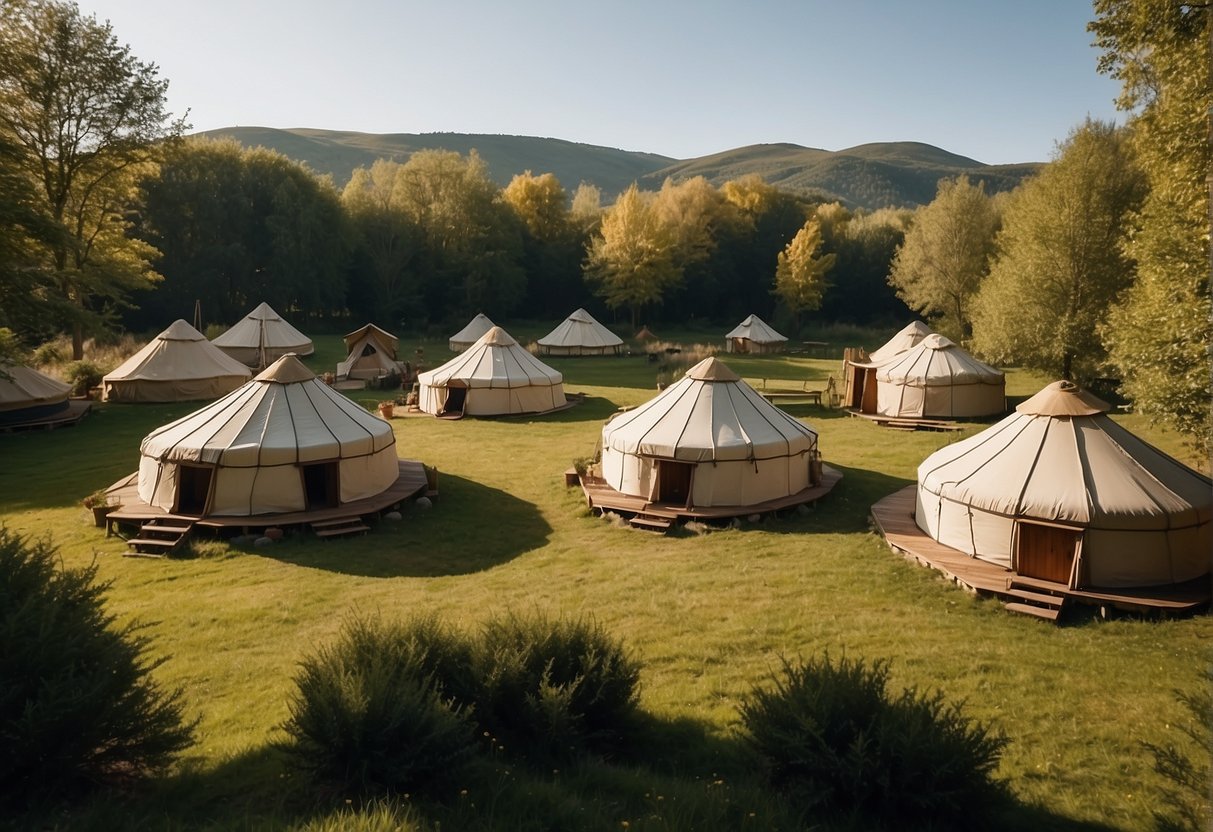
x: 870, y: 176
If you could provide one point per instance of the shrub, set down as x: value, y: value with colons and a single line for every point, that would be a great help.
x: 77, y: 702
x: 831, y: 735
x: 47, y: 355
x: 554, y: 687
x: 373, y: 710
x: 82, y: 376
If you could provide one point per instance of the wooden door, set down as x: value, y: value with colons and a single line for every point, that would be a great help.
x: 1046, y: 552
x: 674, y: 482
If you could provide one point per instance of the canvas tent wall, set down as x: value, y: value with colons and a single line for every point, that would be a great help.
x: 580, y: 334
x: 709, y: 439
x: 754, y: 335
x: 177, y: 365
x: 372, y: 354
x: 261, y: 337
x: 283, y: 442
x: 859, y: 369
x: 471, y: 333
x: 937, y: 379
x: 27, y: 394
x: 1059, y: 491
x: 493, y: 377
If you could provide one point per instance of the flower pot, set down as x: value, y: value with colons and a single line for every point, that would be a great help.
x: 386, y: 411
x: 100, y: 513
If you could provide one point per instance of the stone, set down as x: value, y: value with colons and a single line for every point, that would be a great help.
x: 263, y: 541
x: 393, y: 515
x: 425, y: 502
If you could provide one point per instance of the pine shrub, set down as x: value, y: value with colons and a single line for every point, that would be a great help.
x: 78, y: 705
x: 380, y: 708
x: 832, y: 736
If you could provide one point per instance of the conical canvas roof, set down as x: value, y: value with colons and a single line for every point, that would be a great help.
x: 709, y: 414
x: 386, y: 340
x: 936, y: 361
x: 755, y: 329
x: 180, y: 353
x: 495, y: 360
x: 263, y: 329
x: 471, y: 333
x: 580, y: 329
x: 26, y: 387
x: 908, y: 337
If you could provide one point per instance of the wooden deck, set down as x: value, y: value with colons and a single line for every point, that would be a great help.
x: 77, y: 409
x: 906, y: 422
x: 599, y: 495
x: 411, y: 483
x: 894, y: 518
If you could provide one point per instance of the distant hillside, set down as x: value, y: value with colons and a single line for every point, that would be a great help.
x: 871, y: 176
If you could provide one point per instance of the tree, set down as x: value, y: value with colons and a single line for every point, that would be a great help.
x: 551, y: 243
x: 387, y: 239
x: 1160, y: 332
x: 940, y: 266
x: 1059, y: 265
x: 89, y: 117
x: 859, y: 285
x: 800, y: 273
x: 632, y: 258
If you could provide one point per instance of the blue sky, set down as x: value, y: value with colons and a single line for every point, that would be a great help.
x: 996, y: 81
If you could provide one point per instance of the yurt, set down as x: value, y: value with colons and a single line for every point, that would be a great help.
x: 580, y: 334
x: 283, y: 442
x: 471, y: 333
x: 27, y: 395
x: 261, y: 337
x: 938, y: 380
x: 907, y: 338
x: 493, y: 377
x: 178, y: 365
x: 859, y: 368
x: 707, y: 440
x: 755, y: 335
x: 372, y: 354
x: 1060, y: 492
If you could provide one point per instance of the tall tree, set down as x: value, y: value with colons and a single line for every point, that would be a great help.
x: 800, y: 274
x: 89, y: 117
x: 940, y: 266
x: 388, y: 241
x: 1059, y: 265
x: 1159, y: 335
x: 551, y: 243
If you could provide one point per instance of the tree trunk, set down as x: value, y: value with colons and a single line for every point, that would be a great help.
x: 1067, y: 363
x: 77, y: 341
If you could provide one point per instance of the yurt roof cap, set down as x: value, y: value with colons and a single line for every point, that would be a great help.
x: 179, y: 330
x: 1063, y: 398
x: 935, y: 341
x: 286, y: 370
x: 497, y: 337
x: 712, y: 369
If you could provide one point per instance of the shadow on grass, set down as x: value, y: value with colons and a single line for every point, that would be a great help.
x: 451, y: 538
x: 589, y: 409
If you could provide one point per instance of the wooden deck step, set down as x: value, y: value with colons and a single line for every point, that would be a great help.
x: 160, y: 536
x: 1046, y: 613
x: 650, y: 523
x: 1040, y: 598
x: 339, y: 527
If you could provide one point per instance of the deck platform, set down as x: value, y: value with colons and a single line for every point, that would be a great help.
x: 411, y: 483
x: 894, y: 518
x: 77, y: 409
x: 600, y: 496
x: 906, y: 422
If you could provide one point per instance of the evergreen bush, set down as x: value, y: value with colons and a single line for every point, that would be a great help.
x: 832, y: 736
x: 82, y: 376
x: 78, y: 705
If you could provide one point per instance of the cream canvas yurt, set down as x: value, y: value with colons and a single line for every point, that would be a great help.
x: 937, y: 379
x: 372, y: 354
x: 471, y: 333
x: 1060, y: 492
x: 283, y: 442
x: 580, y: 334
x: 177, y: 365
x: 707, y: 440
x: 493, y: 377
x: 907, y: 338
x: 859, y: 368
x: 261, y: 337
x: 754, y: 335
x: 27, y: 395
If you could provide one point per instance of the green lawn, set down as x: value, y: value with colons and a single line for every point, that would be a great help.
x: 708, y: 614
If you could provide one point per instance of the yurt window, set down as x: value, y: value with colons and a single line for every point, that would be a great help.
x: 320, y: 483
x: 1046, y: 551
x: 674, y: 482
x: 193, y: 488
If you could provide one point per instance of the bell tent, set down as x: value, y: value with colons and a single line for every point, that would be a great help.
x: 27, y: 395
x: 284, y: 442
x: 708, y: 440
x: 471, y: 333
x: 755, y: 335
x: 261, y: 337
x: 493, y: 377
x: 177, y: 365
x: 580, y: 334
x: 372, y: 354
x: 1060, y: 492
x: 937, y: 379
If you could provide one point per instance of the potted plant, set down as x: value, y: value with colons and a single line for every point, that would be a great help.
x: 386, y: 409
x: 98, y: 502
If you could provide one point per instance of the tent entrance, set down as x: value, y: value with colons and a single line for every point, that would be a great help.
x: 456, y: 398
x: 193, y: 489
x: 1046, y: 552
x: 674, y: 482
x: 321, y: 485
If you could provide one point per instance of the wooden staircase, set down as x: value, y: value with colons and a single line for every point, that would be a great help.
x: 160, y: 536
x: 651, y: 522
x: 1042, y: 599
x: 339, y: 527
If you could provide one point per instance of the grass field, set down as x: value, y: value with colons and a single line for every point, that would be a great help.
x: 709, y: 615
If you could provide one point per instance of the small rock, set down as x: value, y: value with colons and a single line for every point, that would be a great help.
x: 802, y: 509
x: 755, y: 518
x: 243, y: 539
x: 263, y: 541
x: 274, y: 533
x: 394, y: 515
x: 425, y: 502
x: 735, y: 523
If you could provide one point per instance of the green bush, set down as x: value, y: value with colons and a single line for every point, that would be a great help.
x: 77, y: 702
x: 554, y: 687
x: 380, y: 707
x: 82, y: 376
x: 832, y: 737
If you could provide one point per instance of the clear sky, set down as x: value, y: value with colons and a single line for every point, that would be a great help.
x: 999, y: 82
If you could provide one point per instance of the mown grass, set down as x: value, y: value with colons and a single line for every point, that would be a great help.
x: 708, y: 614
